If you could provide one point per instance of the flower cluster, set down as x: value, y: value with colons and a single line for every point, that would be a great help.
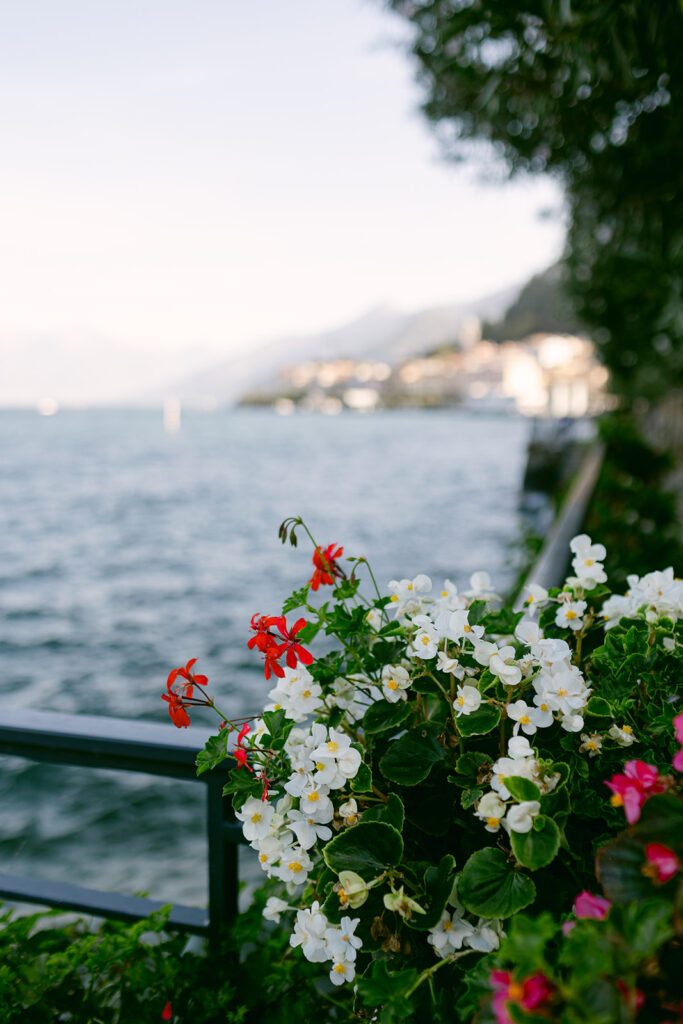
x: 424, y: 766
x: 657, y: 595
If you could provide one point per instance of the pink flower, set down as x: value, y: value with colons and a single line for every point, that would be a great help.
x: 662, y: 863
x: 588, y: 905
x: 528, y: 994
x: 632, y: 789
x: 678, y: 727
x: 678, y: 761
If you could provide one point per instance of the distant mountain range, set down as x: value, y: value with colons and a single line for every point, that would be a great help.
x: 383, y: 334
x: 92, y: 370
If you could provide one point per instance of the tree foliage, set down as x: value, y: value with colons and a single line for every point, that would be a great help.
x: 589, y: 92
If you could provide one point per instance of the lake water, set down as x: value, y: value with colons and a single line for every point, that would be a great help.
x: 126, y: 551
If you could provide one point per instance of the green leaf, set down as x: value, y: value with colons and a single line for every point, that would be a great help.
x: 274, y: 722
x: 599, y: 707
x: 561, y: 768
x: 215, y: 751
x: 661, y: 820
x: 384, y: 715
x: 479, y: 722
x: 490, y: 887
x: 522, y: 789
x: 362, y: 781
x: 367, y: 848
x: 296, y: 600
x: 410, y: 759
x: 618, y: 866
x: 537, y: 848
x: 470, y: 796
x: 438, y: 883
x: 382, y: 986
x: 393, y: 812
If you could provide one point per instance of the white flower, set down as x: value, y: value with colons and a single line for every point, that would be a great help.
x: 569, y: 615
x: 623, y: 735
x: 336, y: 760
x: 572, y: 723
x: 256, y: 817
x: 395, y: 682
x: 565, y: 692
x: 306, y: 829
x: 458, y: 627
x: 405, y: 594
x: 587, y: 559
x: 294, y: 865
x: 374, y: 618
x: 551, y: 652
x: 315, y: 803
x: 273, y: 908
x: 309, y: 933
x: 528, y: 631
x: 466, y: 701
x: 480, y: 587
x: 449, y: 599
x: 592, y: 743
x: 450, y: 665
x: 520, y: 817
x: 524, y: 716
x: 342, y: 943
x: 297, y: 694
x: 503, y: 665
x: 342, y: 970
x: 426, y: 640
x: 519, y: 747
x: 542, y: 714
x: 668, y: 643
x: 534, y: 596
x: 348, y: 812
x: 486, y: 936
x: 491, y: 810
x: 448, y: 935
x: 270, y: 850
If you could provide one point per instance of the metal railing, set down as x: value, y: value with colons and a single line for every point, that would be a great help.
x: 116, y: 743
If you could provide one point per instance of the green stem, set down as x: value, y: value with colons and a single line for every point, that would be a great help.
x: 430, y: 971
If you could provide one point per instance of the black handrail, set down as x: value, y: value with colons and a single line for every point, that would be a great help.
x: 116, y: 743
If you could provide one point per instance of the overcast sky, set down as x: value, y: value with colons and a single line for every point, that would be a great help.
x: 214, y: 173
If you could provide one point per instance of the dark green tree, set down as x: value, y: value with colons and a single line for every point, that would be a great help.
x: 590, y: 92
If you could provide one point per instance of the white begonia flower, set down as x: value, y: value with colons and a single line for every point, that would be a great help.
x: 395, y: 682
x: 351, y: 889
x: 426, y: 640
x: 542, y: 714
x: 569, y: 615
x: 524, y: 716
x: 572, y: 723
x: 484, y: 650
x: 551, y: 651
x: 519, y: 747
x: 274, y: 908
x: 309, y: 933
x: 342, y: 970
x: 592, y: 743
x: 466, y: 701
x: 450, y: 665
x: 297, y: 694
x: 534, y: 596
x: 449, y: 599
x: 615, y: 609
x: 342, y: 943
x: 315, y: 803
x: 623, y: 735
x: 294, y: 865
x: 306, y: 829
x: 587, y: 559
x: 256, y: 817
x: 270, y: 850
x: 520, y: 817
x: 337, y: 756
x: 450, y: 933
x: 406, y: 595
x: 491, y: 810
x: 374, y: 618
x: 565, y: 692
x: 480, y: 587
x: 486, y: 936
x: 505, y: 767
x: 668, y: 643
x: 458, y: 627
x: 528, y: 631
x: 348, y: 812
x: 297, y: 782
x: 504, y: 666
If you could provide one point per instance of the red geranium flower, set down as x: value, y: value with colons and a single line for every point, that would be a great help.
x: 274, y: 644
x: 176, y: 709
x: 240, y: 753
x: 326, y: 568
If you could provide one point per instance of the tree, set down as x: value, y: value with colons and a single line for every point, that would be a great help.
x: 589, y: 92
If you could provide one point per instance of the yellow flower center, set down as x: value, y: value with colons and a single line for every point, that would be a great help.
x: 460, y: 701
x: 425, y: 640
x: 493, y: 822
x: 306, y: 693
x: 561, y: 692
x: 332, y: 746
x: 343, y: 898
x: 570, y: 614
x: 467, y: 628
x: 313, y: 797
x: 589, y: 561
x: 524, y: 719
x: 515, y: 991
x: 543, y: 707
x: 351, y: 819
x: 262, y: 858
x: 256, y: 818
x: 339, y: 969
x: 295, y: 867
x: 409, y: 587
x: 394, y: 597
x: 616, y: 800
x: 448, y: 926
x: 591, y: 745
x: 392, y: 684
x: 444, y: 593
x: 627, y: 729
x: 320, y: 766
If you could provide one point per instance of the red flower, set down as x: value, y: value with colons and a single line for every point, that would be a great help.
x: 662, y: 863
x: 588, y: 905
x: 274, y: 644
x: 167, y: 1012
x: 326, y: 568
x: 176, y: 709
x: 240, y: 753
x: 632, y: 789
x: 633, y: 997
x: 528, y: 994
x: 190, y: 677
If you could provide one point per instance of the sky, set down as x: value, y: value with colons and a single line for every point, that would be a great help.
x: 205, y: 176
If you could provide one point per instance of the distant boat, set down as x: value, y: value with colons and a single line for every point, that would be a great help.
x: 172, y: 415
x: 47, y: 406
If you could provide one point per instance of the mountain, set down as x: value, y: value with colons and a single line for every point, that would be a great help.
x: 541, y: 307
x: 383, y: 334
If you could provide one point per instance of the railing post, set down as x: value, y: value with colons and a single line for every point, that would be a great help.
x: 223, y: 868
